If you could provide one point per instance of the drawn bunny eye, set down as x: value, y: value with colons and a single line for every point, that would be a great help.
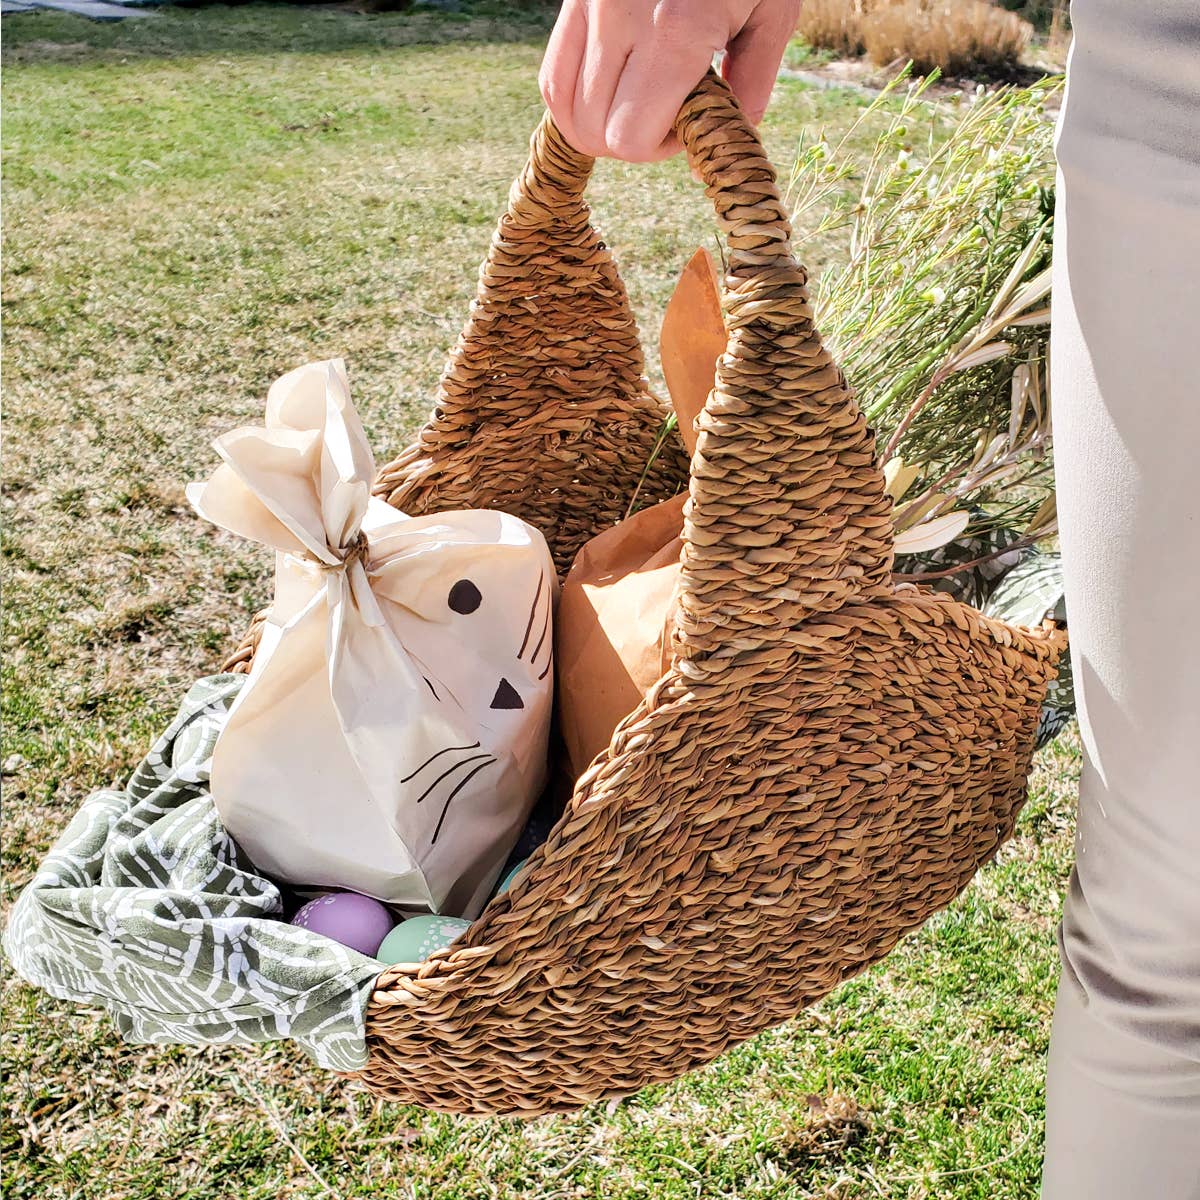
x: 464, y: 597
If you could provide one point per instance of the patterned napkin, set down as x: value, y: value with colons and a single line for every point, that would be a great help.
x: 146, y: 906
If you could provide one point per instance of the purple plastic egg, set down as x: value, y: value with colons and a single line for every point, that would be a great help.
x: 356, y: 921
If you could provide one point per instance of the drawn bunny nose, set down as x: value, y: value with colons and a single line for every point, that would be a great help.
x: 507, y: 696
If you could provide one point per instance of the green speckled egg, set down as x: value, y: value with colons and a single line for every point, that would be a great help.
x: 506, y: 882
x: 414, y: 940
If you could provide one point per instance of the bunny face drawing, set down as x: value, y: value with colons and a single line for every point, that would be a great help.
x: 479, y: 626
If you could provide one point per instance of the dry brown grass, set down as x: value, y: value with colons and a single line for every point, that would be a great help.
x: 835, y: 24
x: 949, y: 35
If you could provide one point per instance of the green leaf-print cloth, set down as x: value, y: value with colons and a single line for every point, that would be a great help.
x: 1022, y: 586
x: 1025, y: 594
x: 146, y: 906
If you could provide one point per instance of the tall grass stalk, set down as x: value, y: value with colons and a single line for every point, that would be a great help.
x: 939, y: 309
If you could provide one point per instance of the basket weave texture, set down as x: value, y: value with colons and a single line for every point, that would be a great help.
x: 832, y: 755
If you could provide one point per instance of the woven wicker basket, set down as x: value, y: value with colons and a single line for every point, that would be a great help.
x: 832, y: 755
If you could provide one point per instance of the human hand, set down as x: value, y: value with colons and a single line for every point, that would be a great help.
x: 616, y: 71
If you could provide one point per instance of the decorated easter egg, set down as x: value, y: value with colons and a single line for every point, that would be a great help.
x: 506, y: 882
x: 356, y: 921
x: 417, y: 938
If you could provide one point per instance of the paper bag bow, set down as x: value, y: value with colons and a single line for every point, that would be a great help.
x: 392, y: 734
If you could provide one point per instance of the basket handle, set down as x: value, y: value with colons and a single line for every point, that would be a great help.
x: 788, y: 513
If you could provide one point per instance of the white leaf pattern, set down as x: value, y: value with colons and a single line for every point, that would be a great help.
x: 147, y: 907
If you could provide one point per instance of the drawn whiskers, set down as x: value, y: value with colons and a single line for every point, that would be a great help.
x: 471, y: 759
x: 544, y: 600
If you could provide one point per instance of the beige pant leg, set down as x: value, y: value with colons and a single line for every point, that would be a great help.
x: 1123, y: 1089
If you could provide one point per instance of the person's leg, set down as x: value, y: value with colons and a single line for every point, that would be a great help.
x: 1123, y: 1086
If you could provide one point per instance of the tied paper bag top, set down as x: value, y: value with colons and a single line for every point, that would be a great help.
x: 392, y: 735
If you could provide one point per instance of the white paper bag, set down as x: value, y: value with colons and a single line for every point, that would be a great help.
x: 392, y: 735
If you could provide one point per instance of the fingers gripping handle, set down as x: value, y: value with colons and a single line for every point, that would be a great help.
x: 788, y: 514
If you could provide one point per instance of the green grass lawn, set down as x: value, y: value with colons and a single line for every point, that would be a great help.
x: 195, y: 203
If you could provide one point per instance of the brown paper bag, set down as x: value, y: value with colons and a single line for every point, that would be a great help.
x: 618, y: 601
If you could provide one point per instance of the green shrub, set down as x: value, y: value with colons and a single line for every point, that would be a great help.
x: 938, y: 309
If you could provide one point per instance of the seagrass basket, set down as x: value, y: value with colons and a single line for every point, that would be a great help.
x: 831, y: 756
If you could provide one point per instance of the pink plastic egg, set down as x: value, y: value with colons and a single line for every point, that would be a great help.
x: 356, y: 921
